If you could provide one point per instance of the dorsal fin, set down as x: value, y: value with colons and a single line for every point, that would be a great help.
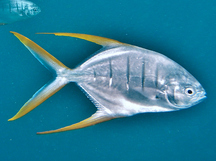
x: 96, y: 39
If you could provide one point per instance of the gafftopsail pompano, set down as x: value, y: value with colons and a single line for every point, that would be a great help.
x: 121, y: 80
x: 16, y: 10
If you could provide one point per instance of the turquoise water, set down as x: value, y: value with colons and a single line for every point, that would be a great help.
x: 183, y: 30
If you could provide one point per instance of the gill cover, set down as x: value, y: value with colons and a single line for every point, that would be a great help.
x: 180, y: 95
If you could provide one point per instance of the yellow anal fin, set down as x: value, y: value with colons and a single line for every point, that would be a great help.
x: 96, y: 39
x: 96, y: 118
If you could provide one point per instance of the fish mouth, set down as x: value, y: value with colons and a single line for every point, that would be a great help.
x: 203, y: 95
x: 200, y: 98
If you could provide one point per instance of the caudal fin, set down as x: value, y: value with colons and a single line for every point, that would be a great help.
x: 52, y: 64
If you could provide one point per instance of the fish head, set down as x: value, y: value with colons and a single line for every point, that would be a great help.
x: 31, y: 10
x: 183, y: 90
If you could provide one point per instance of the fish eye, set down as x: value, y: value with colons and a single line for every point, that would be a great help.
x: 189, y: 91
x: 34, y: 9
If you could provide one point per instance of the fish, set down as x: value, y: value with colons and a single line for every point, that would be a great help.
x: 16, y: 10
x: 120, y: 79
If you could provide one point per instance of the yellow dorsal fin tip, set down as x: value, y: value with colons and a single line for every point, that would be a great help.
x: 96, y: 39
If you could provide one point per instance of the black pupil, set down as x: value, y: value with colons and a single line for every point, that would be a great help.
x: 190, y: 91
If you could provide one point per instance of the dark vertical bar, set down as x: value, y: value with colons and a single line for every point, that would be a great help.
x: 17, y: 6
x: 111, y: 74
x: 156, y: 79
x: 95, y: 75
x: 143, y: 75
x: 10, y: 7
x: 128, y: 73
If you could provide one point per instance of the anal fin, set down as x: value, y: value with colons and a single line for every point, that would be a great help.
x: 96, y: 118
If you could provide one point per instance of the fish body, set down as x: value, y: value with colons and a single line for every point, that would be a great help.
x: 16, y: 10
x: 131, y: 80
x: 120, y: 79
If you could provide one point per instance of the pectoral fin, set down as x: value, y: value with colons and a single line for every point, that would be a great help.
x: 96, y: 118
x: 96, y: 39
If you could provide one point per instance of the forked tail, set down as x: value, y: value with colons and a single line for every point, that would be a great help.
x: 52, y: 64
x: 61, y: 79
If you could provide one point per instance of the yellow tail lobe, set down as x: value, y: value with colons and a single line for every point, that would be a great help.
x: 40, y: 96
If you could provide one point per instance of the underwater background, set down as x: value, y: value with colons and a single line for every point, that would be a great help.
x: 185, y: 31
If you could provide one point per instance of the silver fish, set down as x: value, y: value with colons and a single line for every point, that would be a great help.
x: 16, y: 10
x: 121, y: 80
